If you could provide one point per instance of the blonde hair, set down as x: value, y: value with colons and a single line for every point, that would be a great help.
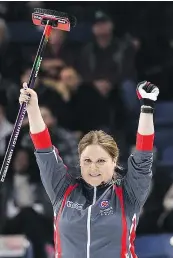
x: 101, y: 138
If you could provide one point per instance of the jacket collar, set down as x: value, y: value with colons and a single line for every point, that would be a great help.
x: 88, y: 189
x: 101, y: 186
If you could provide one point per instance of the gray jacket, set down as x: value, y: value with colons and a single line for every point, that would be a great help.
x: 95, y: 222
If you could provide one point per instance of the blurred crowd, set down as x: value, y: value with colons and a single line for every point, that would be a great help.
x: 87, y: 81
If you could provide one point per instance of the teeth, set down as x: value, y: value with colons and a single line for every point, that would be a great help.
x: 95, y: 175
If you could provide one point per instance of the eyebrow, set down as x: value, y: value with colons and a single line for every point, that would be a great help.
x: 85, y: 157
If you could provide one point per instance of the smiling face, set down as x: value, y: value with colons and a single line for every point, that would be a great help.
x: 97, y: 166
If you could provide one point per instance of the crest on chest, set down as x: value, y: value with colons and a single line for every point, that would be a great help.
x: 106, y: 208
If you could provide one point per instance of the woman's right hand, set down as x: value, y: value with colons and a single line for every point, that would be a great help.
x: 36, y: 122
x: 30, y: 97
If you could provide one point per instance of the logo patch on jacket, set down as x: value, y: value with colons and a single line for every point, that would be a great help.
x: 104, y: 204
x: 75, y: 205
x: 106, y: 209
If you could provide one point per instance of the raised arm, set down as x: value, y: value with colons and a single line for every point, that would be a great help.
x: 52, y: 169
x: 139, y: 175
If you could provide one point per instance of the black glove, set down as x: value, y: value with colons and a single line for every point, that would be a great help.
x: 147, y: 93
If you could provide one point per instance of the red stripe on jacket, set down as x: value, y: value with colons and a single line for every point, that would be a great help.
x: 119, y: 193
x: 58, y: 248
x: 132, y: 237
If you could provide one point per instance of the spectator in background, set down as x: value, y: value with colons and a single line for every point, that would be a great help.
x: 109, y: 62
x: 4, y: 43
x: 64, y: 139
x: 5, y: 130
x: 82, y: 97
x: 58, y: 53
x: 47, y: 95
x: 66, y: 87
x: 9, y: 92
x: 104, y: 57
x: 157, y: 213
x: 10, y: 55
x: 165, y: 221
x: 28, y: 208
x: 9, y: 71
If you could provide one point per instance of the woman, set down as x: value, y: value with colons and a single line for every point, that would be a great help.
x: 95, y: 215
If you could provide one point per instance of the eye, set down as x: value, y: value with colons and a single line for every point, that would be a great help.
x: 87, y: 161
x: 101, y: 161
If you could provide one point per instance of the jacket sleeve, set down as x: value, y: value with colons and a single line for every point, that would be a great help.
x: 138, y: 179
x: 53, y: 172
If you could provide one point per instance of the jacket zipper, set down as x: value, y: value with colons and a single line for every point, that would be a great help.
x: 89, y: 223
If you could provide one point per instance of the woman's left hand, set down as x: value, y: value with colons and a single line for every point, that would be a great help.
x: 147, y: 93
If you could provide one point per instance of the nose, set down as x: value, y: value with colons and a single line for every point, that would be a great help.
x: 93, y: 166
